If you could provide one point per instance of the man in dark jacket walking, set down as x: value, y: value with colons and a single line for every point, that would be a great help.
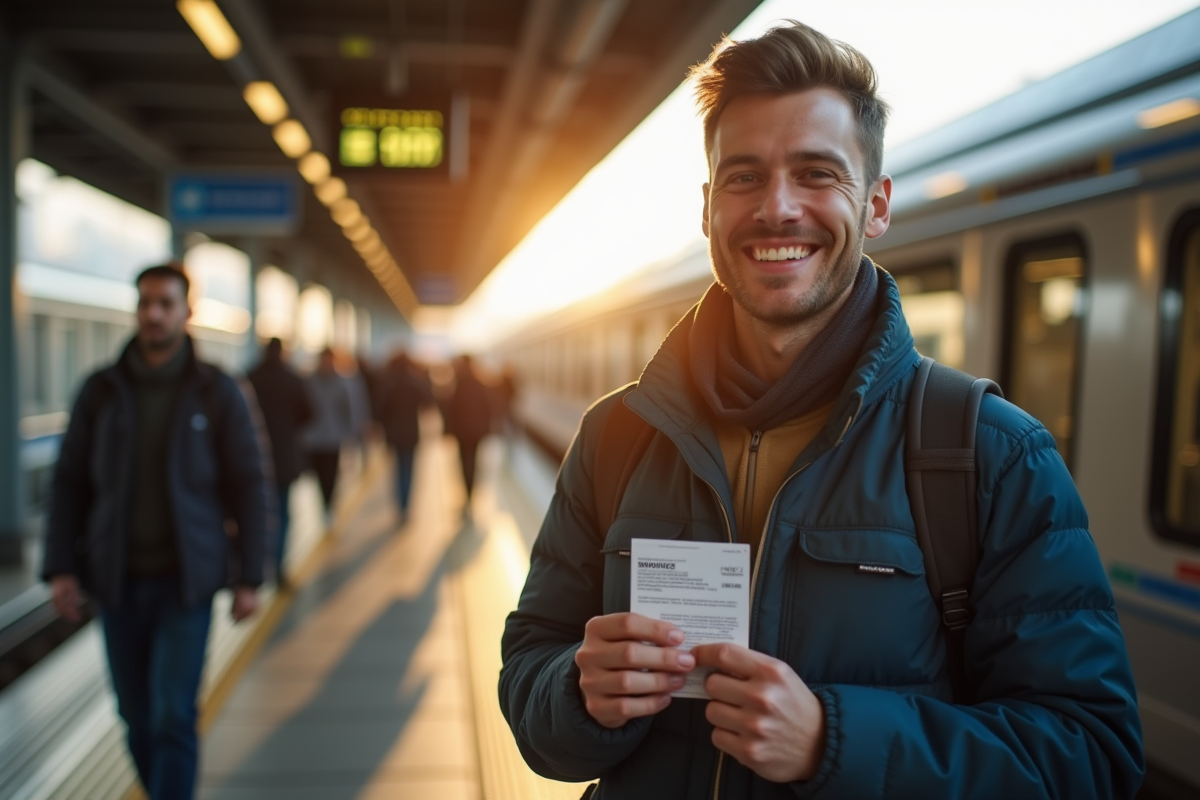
x: 160, y: 453
x: 777, y: 411
x: 403, y: 393
x: 283, y: 400
x: 468, y: 417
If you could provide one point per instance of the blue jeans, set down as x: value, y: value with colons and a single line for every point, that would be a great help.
x: 155, y: 657
x: 404, y: 477
x: 285, y: 518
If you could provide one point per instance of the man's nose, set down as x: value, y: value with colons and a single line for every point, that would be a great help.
x: 780, y: 204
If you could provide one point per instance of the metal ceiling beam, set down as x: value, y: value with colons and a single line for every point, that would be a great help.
x: 124, y: 42
x: 427, y: 51
x: 79, y: 104
x: 695, y: 46
x: 175, y: 95
x: 586, y: 38
x: 259, y: 41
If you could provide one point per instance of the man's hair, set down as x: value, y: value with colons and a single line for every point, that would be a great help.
x: 172, y: 269
x: 789, y: 58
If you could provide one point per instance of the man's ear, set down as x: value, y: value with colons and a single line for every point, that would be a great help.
x: 704, y: 221
x: 879, y: 214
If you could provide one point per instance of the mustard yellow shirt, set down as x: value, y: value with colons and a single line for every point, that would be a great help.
x: 777, y: 451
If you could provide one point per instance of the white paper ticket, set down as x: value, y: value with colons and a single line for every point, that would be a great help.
x: 703, y: 588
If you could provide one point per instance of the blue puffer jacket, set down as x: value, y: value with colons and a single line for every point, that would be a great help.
x: 1054, y: 712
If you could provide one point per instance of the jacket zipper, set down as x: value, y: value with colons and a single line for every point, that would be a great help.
x: 751, y: 475
x: 729, y: 538
x: 755, y: 440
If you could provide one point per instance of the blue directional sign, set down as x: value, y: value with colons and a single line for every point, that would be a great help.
x: 224, y: 204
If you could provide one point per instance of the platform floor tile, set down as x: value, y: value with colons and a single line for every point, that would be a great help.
x: 363, y: 692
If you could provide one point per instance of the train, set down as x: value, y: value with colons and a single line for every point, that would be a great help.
x: 1049, y: 241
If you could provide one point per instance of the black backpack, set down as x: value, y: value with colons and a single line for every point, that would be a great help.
x: 939, y: 472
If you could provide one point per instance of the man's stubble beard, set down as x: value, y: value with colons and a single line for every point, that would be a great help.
x: 167, y: 342
x: 828, y: 288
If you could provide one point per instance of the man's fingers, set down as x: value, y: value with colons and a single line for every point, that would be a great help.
x: 613, y: 712
x: 632, y: 682
x: 635, y: 655
x: 67, y: 608
x: 628, y: 626
x: 731, y: 659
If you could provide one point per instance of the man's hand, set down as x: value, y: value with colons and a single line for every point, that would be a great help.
x: 764, y: 715
x: 245, y: 603
x: 64, y: 591
x: 628, y: 667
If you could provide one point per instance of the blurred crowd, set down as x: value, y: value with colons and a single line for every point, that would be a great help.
x: 323, y: 418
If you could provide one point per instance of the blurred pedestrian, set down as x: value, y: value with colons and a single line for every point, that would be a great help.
x: 332, y: 423
x: 404, y: 392
x: 286, y: 408
x: 468, y: 414
x: 160, y: 452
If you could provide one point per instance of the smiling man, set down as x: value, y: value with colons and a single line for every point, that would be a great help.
x: 774, y: 414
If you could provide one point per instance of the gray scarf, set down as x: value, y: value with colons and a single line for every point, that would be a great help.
x: 738, y: 396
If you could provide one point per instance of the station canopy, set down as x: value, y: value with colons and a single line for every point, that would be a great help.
x: 443, y: 130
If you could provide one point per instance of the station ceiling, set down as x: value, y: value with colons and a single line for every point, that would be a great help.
x: 122, y: 94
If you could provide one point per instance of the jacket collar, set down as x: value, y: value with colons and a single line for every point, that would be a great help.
x: 666, y: 398
x: 195, y: 370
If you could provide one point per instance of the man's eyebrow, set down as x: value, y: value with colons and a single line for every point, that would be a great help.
x: 738, y: 161
x: 800, y: 156
x: 837, y: 159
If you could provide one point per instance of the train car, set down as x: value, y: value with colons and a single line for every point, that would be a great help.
x: 1050, y: 241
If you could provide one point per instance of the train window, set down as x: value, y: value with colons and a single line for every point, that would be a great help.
x: 1046, y: 300
x: 933, y: 306
x: 1175, y: 471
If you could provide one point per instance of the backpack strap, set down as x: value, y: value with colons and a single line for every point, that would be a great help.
x: 939, y: 467
x: 624, y: 437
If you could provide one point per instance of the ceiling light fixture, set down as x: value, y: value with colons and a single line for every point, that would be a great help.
x: 211, y: 27
x: 292, y: 138
x: 330, y: 191
x: 345, y: 212
x: 314, y: 167
x: 1167, y: 113
x: 359, y: 231
x: 265, y: 101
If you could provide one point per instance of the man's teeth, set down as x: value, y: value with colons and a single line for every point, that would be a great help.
x: 780, y: 253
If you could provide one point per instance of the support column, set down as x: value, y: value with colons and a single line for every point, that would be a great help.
x: 12, y: 481
x: 253, y: 248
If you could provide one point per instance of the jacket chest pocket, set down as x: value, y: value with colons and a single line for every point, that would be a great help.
x: 617, y: 562
x: 857, y: 609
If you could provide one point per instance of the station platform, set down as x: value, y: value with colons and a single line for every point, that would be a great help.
x: 373, y: 677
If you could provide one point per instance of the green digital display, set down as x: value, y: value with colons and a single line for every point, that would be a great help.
x: 392, y: 138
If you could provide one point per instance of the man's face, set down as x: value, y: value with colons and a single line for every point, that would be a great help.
x: 162, y: 313
x: 789, y: 204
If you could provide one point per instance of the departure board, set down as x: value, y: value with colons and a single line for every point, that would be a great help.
x: 391, y: 138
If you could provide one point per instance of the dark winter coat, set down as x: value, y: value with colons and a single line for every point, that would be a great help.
x: 403, y: 396
x: 286, y: 408
x: 1054, y: 712
x: 215, y: 472
x: 468, y: 412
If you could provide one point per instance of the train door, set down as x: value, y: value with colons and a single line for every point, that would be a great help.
x: 1175, y: 470
x: 1045, y: 304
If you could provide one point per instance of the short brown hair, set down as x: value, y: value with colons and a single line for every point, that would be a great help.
x: 172, y: 269
x: 789, y: 58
